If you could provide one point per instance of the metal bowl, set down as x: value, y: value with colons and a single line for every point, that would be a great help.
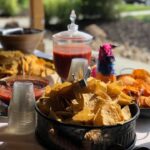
x: 57, y: 135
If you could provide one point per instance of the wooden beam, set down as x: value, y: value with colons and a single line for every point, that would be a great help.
x: 37, y: 14
x: 37, y: 17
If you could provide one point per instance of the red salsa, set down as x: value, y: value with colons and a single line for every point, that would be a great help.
x: 63, y: 55
x: 6, y: 90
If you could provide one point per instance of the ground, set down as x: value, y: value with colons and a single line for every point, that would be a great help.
x: 131, y: 36
x: 133, y: 32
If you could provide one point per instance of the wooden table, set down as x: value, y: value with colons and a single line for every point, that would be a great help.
x: 24, y: 142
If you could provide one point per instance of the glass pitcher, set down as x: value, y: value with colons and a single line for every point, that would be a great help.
x: 68, y: 45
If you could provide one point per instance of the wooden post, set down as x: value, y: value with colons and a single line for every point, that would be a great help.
x: 37, y: 17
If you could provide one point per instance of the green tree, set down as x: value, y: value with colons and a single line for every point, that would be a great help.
x: 105, y: 9
x: 24, y: 4
x: 9, y: 7
x: 60, y: 9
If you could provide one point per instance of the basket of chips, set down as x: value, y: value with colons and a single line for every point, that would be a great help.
x: 137, y: 84
x: 86, y: 115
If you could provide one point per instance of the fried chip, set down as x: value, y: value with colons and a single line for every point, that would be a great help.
x: 96, y: 85
x: 140, y: 74
x: 108, y: 114
x: 93, y: 101
x: 127, y: 80
x: 84, y: 115
x: 144, y: 101
x: 47, y: 90
x: 75, y: 106
x: 144, y: 86
x: 124, y: 99
x: 93, y: 106
x: 114, y: 88
x: 147, y: 101
x: 131, y: 90
x: 126, y: 113
x: 16, y: 63
x: 137, y: 85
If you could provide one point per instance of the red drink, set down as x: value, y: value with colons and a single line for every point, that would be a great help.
x: 63, y: 55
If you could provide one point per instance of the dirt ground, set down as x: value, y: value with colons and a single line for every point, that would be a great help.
x: 131, y: 36
x: 133, y: 32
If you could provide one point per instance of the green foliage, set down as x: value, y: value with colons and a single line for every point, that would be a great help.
x: 105, y: 9
x: 23, y: 3
x: 9, y: 7
x: 60, y: 9
x: 142, y: 18
x: 131, y: 7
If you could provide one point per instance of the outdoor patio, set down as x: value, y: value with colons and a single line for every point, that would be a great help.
x: 128, y: 29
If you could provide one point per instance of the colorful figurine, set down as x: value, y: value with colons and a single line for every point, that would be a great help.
x: 105, y: 67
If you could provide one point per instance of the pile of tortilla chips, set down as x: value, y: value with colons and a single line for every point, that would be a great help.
x: 96, y: 104
x: 17, y: 63
x: 137, y: 84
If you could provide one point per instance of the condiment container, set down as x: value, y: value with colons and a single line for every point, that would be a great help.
x: 70, y: 44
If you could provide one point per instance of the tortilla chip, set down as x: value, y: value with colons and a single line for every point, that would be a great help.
x: 140, y: 74
x: 144, y: 101
x: 108, y: 114
x: 114, y: 88
x: 124, y: 99
x: 96, y: 85
x: 126, y: 113
x: 127, y: 80
x: 84, y: 115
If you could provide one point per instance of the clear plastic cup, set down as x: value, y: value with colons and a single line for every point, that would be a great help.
x: 79, y: 66
x: 21, y: 113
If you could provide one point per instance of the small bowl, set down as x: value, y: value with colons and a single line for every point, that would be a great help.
x: 26, y: 41
x: 6, y: 85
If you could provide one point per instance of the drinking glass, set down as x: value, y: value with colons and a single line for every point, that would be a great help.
x: 21, y: 113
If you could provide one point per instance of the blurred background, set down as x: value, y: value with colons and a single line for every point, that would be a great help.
x: 125, y: 23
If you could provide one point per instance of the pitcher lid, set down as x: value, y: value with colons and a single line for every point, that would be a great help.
x: 73, y: 33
